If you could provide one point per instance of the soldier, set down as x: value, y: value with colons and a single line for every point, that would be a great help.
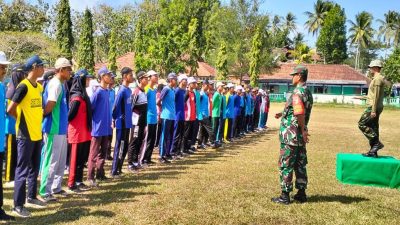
x: 369, y: 121
x: 293, y: 136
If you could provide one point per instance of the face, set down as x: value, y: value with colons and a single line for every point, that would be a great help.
x: 154, y: 79
x: 210, y: 87
x: 107, y: 79
x: 296, y: 79
x: 38, y: 70
x: 205, y: 87
x: 183, y: 83
x: 193, y: 85
x: 129, y: 78
x: 220, y: 88
x: 144, y: 81
x: 65, y: 73
x: 87, y: 82
x: 231, y: 90
x: 374, y: 70
x: 173, y: 82
x: 3, y: 69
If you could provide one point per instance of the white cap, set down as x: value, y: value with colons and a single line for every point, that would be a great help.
x: 191, y: 80
x: 220, y: 84
x: 62, y: 63
x: 182, y: 77
x: 152, y: 73
x: 162, y: 81
x: 3, y: 59
x: 239, y: 87
x: 230, y: 85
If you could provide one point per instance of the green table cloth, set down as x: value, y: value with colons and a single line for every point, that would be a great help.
x: 383, y: 171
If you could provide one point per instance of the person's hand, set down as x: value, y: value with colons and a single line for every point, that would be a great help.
x: 305, y: 136
x: 278, y: 115
x: 373, y: 115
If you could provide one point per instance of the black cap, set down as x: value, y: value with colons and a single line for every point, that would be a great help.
x: 141, y: 74
x: 126, y: 70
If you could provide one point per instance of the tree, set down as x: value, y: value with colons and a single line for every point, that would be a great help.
x: 391, y: 68
x: 64, y: 37
x: 222, y: 63
x: 332, y: 39
x: 112, y: 53
x: 298, y: 39
x: 361, y: 33
x: 193, y: 46
x: 389, y: 30
x: 290, y: 22
x: 86, y: 47
x: 301, y: 53
x: 316, y: 19
x: 255, y: 55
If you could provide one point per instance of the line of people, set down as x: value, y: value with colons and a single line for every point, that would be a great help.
x: 57, y: 120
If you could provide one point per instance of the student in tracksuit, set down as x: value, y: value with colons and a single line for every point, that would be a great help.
x: 122, y: 121
x: 223, y: 115
x: 17, y: 75
x: 237, y: 112
x: 160, y: 87
x: 248, y: 109
x: 205, y: 123
x: 3, y: 66
x: 112, y: 100
x: 199, y: 116
x: 152, y: 116
x: 101, y: 128
x: 190, y: 115
x: 26, y: 107
x: 243, y: 113
x: 79, y: 127
x: 55, y: 125
x: 179, y: 127
x: 216, y: 112
x: 168, y: 115
x: 230, y: 111
x: 257, y: 96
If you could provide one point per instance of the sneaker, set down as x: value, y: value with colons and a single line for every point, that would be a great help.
x: 21, y: 211
x: 35, y: 203
x: 49, y: 198
x: 74, y: 190
x: 5, y: 217
x: 102, y: 178
x: 83, y: 187
x: 61, y: 193
x: 92, y: 184
x: 201, y: 147
x: 151, y: 162
x: 163, y: 160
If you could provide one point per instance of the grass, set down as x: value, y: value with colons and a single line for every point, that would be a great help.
x: 234, y: 185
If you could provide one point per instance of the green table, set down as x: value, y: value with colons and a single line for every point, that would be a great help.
x: 383, y: 171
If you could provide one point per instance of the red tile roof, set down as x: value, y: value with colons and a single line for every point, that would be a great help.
x: 318, y: 73
x: 203, y: 70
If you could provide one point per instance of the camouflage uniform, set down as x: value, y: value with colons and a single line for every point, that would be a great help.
x: 293, y: 154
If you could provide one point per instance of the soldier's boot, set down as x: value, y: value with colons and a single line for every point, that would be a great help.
x: 283, y: 199
x: 373, y: 152
x: 300, y: 196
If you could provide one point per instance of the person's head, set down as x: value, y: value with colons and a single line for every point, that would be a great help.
x: 231, y: 88
x: 248, y: 88
x: 255, y: 91
x: 192, y: 82
x: 375, y: 66
x: 35, y: 67
x: 3, y: 64
x: 142, y: 78
x: 153, y: 76
x: 238, y: 90
x: 299, y: 75
x: 111, y: 85
x: 105, y: 76
x: 204, y: 85
x: 183, y: 81
x: 211, y: 86
x: 127, y: 75
x: 220, y: 87
x: 63, y: 69
x: 84, y: 76
x: 161, y: 84
x: 172, y: 79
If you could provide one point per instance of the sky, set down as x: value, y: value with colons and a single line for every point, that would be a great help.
x: 281, y: 7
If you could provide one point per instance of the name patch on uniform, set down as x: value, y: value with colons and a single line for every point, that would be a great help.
x: 298, y: 105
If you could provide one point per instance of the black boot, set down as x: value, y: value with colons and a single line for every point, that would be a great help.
x: 300, y: 196
x: 375, y: 146
x: 283, y: 199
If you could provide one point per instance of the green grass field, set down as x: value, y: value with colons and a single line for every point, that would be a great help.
x: 234, y: 185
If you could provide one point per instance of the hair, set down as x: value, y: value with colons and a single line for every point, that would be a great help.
x: 303, y: 77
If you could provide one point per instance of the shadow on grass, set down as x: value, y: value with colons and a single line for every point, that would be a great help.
x: 336, y: 198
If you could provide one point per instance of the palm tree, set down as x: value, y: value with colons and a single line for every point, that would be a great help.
x: 390, y: 28
x: 361, y: 33
x: 290, y: 22
x: 316, y: 18
x: 298, y: 39
x: 276, y: 23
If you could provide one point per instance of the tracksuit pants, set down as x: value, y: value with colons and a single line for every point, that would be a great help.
x: 196, y: 127
x: 188, y: 134
x: 229, y: 133
x: 150, y: 140
x: 206, y: 129
x: 27, y: 169
x: 12, y: 156
x: 79, y: 156
x: 221, y: 129
x: 159, y: 130
x: 215, y: 125
x: 120, y: 150
x: 55, y: 158
x: 97, y: 155
x: 167, y: 131
x: 136, y: 147
x: 179, y: 132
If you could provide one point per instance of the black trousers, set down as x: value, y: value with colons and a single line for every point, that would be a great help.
x: 229, y: 134
x: 158, y: 136
x: 188, y: 135
x: 195, y: 132
x: 238, y: 125
x: 206, y: 131
x: 151, y: 135
x: 215, y: 126
x: 256, y: 119
x: 135, y: 144
x: 1, y: 181
x: 179, y: 131
x: 120, y: 150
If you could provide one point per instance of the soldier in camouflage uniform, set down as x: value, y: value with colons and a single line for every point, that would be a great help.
x: 369, y: 121
x: 293, y: 136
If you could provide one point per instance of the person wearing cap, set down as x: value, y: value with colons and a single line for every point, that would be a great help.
x: 263, y: 108
x: 230, y: 111
x: 26, y: 107
x: 152, y: 118
x: 222, y: 117
x: 237, y: 112
x: 17, y: 75
x: 293, y: 135
x: 369, y: 121
x: 55, y: 124
x: 3, y: 66
x: 161, y: 84
x: 190, y: 115
x: 257, y: 98
x: 101, y: 123
x: 122, y: 121
x: 216, y: 112
x: 139, y: 104
x: 168, y: 115
x: 205, y: 124
x: 79, y: 128
x: 111, y: 89
x: 179, y: 126
x: 199, y: 116
x: 248, y: 100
